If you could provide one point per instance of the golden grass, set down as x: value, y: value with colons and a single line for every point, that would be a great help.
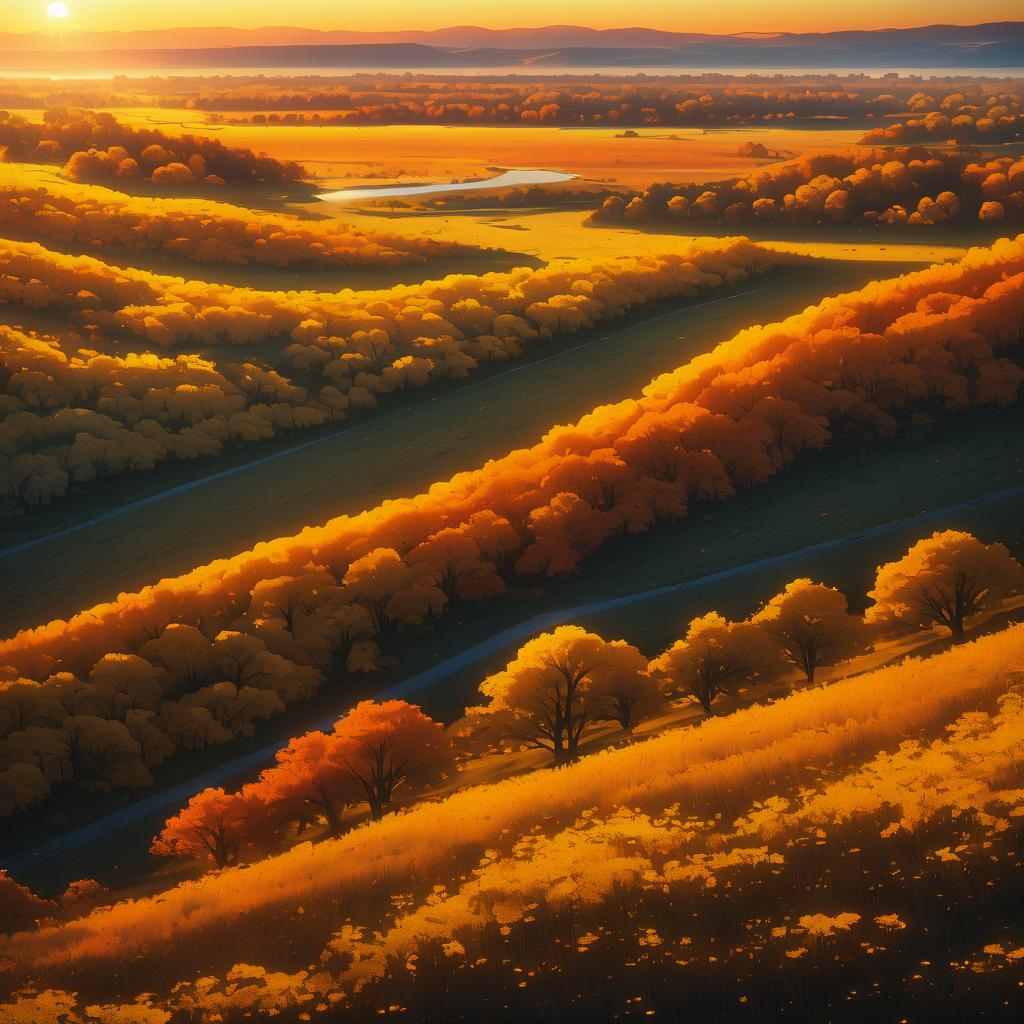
x: 352, y: 155
x: 723, y: 766
x: 555, y: 236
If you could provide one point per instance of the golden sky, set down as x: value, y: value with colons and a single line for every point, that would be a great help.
x: 721, y: 16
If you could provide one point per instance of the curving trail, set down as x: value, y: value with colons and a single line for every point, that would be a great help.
x: 176, y: 795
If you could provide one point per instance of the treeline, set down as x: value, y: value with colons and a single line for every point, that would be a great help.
x: 975, y: 113
x: 95, y: 146
x: 199, y: 230
x: 814, y: 94
x: 73, y: 415
x: 966, y: 118
x: 964, y: 109
x: 575, y: 100
x: 562, y: 685
x: 857, y: 367
x: 877, y: 186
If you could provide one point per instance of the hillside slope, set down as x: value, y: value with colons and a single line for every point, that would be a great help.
x: 885, y: 810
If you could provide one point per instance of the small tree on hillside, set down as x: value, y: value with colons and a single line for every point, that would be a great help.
x: 215, y: 826
x: 386, y: 747
x: 560, y: 684
x: 943, y: 580
x: 713, y: 657
x: 310, y: 780
x: 811, y: 626
x: 623, y: 691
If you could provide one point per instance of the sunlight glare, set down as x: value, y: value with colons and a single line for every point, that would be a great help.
x: 57, y: 10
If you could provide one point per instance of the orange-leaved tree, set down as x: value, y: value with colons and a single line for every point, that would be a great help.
x: 389, y: 746
x: 215, y: 826
x: 943, y: 580
x: 311, y: 781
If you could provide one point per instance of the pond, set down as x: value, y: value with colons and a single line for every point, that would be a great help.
x: 507, y: 179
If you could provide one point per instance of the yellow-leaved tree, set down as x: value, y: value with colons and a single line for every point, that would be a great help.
x: 811, y: 625
x: 563, y: 682
x: 943, y: 580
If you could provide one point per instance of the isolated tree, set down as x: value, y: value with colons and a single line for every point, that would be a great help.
x: 811, y: 626
x: 389, y: 746
x: 713, y: 657
x: 215, y: 826
x: 81, y: 896
x: 943, y: 580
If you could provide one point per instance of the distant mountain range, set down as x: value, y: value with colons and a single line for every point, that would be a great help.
x: 997, y: 44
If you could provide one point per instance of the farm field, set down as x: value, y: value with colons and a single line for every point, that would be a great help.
x: 581, y: 600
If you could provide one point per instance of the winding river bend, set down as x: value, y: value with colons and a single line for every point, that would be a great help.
x: 507, y: 179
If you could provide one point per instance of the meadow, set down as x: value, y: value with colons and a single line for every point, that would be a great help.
x: 264, y: 457
x: 702, y: 815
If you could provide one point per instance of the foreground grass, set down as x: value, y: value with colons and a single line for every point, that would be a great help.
x: 755, y: 832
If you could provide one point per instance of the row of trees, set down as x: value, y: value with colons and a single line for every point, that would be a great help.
x: 854, y: 368
x: 198, y: 230
x: 958, y: 117
x: 561, y: 685
x: 875, y: 186
x: 73, y: 416
x: 677, y: 102
x: 95, y: 146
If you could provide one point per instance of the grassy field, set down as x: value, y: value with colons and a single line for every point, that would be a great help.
x: 575, y: 865
x: 552, y: 235
x: 339, y: 155
x: 425, y: 441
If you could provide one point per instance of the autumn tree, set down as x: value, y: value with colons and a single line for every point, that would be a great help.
x: 388, y: 747
x: 81, y: 895
x: 561, y: 683
x: 812, y: 626
x: 943, y: 580
x: 623, y: 691
x: 215, y: 826
x: 713, y: 657
x: 391, y: 591
x: 311, y: 780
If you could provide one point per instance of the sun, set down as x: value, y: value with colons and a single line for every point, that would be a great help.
x: 57, y: 10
